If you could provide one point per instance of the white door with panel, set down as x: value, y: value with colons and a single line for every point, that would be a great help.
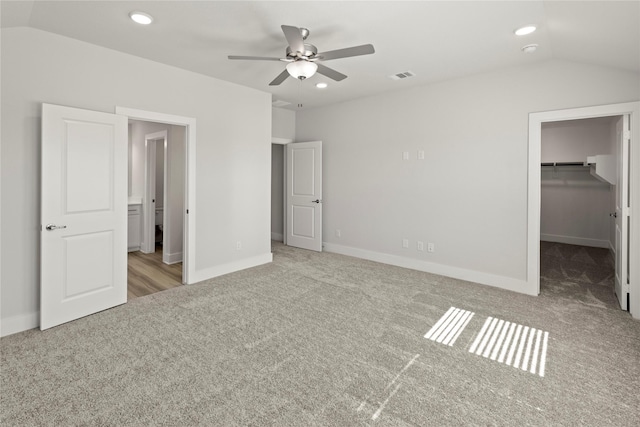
x: 83, y: 266
x: 304, y: 195
x: 623, y: 141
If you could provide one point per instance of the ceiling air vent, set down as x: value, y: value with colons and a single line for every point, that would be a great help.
x: 279, y: 103
x: 403, y: 75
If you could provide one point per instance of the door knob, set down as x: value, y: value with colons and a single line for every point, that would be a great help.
x: 614, y: 214
x: 52, y: 227
x: 316, y: 201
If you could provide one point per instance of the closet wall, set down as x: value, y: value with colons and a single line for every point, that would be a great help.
x: 575, y: 206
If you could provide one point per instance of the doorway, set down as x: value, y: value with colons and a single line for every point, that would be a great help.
x: 577, y: 228
x: 278, y: 188
x: 187, y: 126
x: 277, y: 192
x: 629, y: 224
x: 157, y: 187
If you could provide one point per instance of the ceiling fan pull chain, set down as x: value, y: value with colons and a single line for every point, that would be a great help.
x: 300, y: 94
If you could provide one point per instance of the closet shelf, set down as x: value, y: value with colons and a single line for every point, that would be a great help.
x: 603, y: 167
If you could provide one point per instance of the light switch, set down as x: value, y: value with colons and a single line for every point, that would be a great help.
x: 421, y: 155
x: 405, y: 155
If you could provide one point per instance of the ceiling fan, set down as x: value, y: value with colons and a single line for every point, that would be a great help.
x: 303, y: 57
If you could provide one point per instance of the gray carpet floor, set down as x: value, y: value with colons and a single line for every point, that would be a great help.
x: 319, y: 339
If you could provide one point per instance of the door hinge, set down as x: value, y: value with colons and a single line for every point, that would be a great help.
x: 626, y: 135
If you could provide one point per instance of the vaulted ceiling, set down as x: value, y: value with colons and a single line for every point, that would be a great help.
x: 435, y: 40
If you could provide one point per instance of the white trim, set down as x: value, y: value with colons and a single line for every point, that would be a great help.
x: 533, y: 197
x: 14, y: 324
x: 189, y: 244
x: 232, y: 267
x: 148, y: 245
x: 572, y: 240
x: 502, y: 282
x: 280, y: 141
x: 171, y: 258
x: 279, y: 237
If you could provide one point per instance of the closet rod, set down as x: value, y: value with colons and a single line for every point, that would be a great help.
x: 563, y: 164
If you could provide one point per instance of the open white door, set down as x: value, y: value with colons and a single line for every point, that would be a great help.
x: 623, y: 141
x: 83, y: 262
x: 304, y: 195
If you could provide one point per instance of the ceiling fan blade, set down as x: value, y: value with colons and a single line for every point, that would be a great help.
x: 254, y: 58
x: 330, y: 72
x: 294, y: 38
x: 281, y: 77
x: 365, y: 49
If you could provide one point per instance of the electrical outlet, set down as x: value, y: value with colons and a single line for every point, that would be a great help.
x: 405, y: 243
x: 421, y: 155
x: 238, y: 245
x: 431, y: 247
x: 421, y: 246
x: 338, y: 233
x: 405, y: 155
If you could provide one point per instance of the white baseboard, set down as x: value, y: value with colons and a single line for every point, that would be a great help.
x: 173, y: 258
x: 278, y: 237
x: 15, y: 324
x: 571, y: 240
x: 508, y: 283
x: 231, y: 267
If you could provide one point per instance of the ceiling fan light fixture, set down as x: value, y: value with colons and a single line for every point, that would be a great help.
x: 523, y: 31
x: 141, y: 18
x: 302, y: 69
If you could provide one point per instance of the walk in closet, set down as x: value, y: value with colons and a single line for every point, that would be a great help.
x: 578, y: 197
x: 578, y: 178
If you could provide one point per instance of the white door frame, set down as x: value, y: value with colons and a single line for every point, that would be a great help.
x: 149, y: 215
x: 283, y: 142
x: 533, y: 221
x: 189, y: 221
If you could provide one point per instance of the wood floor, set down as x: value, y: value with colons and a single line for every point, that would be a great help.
x: 147, y: 274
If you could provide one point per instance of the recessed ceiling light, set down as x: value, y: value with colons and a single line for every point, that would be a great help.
x: 527, y: 29
x: 141, y: 18
x: 530, y: 48
x: 321, y: 85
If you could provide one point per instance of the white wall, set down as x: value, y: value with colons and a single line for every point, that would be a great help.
x: 574, y: 140
x: 575, y: 206
x: 469, y: 195
x: 138, y: 130
x: 284, y: 123
x: 232, y: 168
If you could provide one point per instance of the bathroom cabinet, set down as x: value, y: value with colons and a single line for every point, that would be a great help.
x: 135, y: 227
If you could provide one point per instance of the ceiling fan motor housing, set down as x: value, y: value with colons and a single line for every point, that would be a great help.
x: 310, y: 51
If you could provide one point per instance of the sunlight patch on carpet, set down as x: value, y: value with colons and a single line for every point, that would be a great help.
x: 513, y: 344
x: 450, y: 326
